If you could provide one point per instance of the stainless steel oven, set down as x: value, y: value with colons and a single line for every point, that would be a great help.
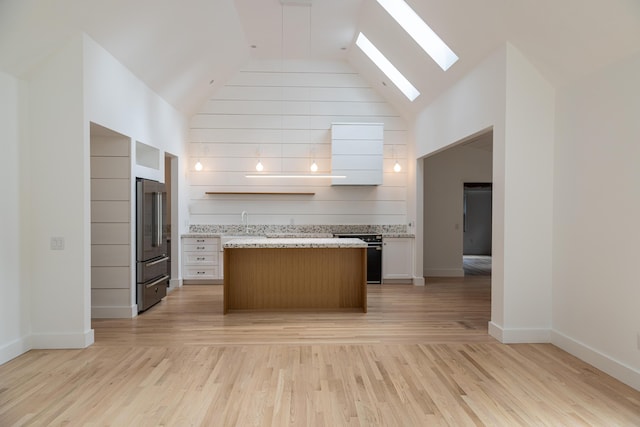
x: 374, y: 254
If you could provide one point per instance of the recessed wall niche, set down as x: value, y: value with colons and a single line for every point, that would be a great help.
x: 147, y: 156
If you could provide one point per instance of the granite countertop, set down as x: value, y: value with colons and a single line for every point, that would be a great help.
x: 299, y: 235
x: 288, y: 235
x: 201, y: 235
x: 295, y: 243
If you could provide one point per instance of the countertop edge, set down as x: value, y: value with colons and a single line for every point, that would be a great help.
x: 284, y: 243
x: 292, y: 235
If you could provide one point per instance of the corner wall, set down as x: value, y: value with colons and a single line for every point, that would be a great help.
x: 596, y: 296
x: 45, y: 121
x: 507, y: 94
x: 14, y: 321
x: 57, y: 205
x: 475, y: 104
x: 528, y: 209
x: 117, y: 100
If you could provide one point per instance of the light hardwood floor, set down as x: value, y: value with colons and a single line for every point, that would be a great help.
x: 421, y: 356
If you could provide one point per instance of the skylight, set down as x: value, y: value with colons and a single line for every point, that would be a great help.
x: 420, y: 31
x: 387, y: 67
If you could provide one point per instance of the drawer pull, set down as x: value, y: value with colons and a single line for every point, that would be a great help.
x: 157, y: 262
x: 162, y: 279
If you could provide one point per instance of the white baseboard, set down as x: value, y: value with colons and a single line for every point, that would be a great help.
x: 616, y: 369
x: 114, y: 312
x: 61, y: 341
x: 444, y: 272
x: 518, y: 336
x: 418, y: 281
x: 14, y: 349
x: 174, y: 284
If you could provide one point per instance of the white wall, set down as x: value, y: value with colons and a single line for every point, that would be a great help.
x: 57, y: 164
x: 283, y: 113
x: 444, y: 176
x: 475, y: 104
x: 14, y: 319
x: 117, y: 100
x: 48, y: 296
x: 528, y: 181
x: 596, y: 296
x: 505, y: 92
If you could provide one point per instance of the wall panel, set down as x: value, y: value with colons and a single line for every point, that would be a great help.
x: 110, y: 225
x: 281, y: 113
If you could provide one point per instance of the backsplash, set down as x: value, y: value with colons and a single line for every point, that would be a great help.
x: 297, y: 229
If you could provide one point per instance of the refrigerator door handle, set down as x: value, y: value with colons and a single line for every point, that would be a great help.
x: 158, y: 230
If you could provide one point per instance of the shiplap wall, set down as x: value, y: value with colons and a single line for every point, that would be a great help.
x: 111, y: 277
x: 281, y: 112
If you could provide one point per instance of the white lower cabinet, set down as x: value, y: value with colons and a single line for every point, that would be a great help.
x: 201, y: 258
x: 397, y: 259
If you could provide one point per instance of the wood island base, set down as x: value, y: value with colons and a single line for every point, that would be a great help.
x: 295, y: 278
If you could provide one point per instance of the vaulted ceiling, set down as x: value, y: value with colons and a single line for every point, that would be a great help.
x: 186, y: 49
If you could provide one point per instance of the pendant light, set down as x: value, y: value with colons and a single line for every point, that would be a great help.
x: 198, y: 166
x: 259, y: 165
x: 396, y: 168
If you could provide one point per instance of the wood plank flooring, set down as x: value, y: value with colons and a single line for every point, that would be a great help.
x: 421, y: 356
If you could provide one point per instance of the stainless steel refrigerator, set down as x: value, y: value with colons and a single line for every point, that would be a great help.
x: 152, y: 266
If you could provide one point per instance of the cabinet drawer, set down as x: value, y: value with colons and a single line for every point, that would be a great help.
x: 197, y: 258
x: 202, y: 247
x: 199, y: 240
x: 202, y: 272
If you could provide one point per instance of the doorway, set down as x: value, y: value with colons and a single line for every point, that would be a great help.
x: 444, y: 176
x: 476, y: 211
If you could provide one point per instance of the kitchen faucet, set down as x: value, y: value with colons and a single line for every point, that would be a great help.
x: 245, y: 220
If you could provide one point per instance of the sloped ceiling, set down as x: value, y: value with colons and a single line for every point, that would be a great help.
x: 184, y: 50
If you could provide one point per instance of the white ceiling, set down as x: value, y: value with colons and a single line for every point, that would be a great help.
x: 177, y: 47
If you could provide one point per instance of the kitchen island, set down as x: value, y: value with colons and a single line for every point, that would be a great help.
x: 295, y: 274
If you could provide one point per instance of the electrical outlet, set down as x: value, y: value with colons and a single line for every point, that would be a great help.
x: 57, y: 243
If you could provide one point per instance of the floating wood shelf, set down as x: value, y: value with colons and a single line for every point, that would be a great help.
x: 258, y: 193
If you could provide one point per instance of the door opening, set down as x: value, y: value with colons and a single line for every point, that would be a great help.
x: 476, y: 250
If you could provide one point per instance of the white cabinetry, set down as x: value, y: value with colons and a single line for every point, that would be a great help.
x: 357, y: 153
x: 397, y: 259
x: 201, y: 258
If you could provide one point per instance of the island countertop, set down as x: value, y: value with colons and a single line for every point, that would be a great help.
x: 295, y: 243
